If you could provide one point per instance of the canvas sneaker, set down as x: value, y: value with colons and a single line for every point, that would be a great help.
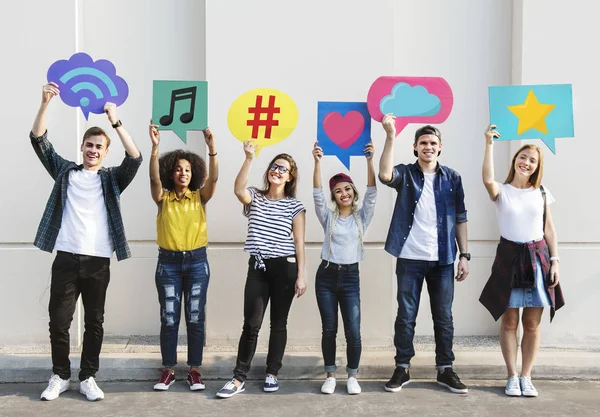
x: 353, y: 386
x: 449, y: 379
x: 328, y: 386
x: 527, y: 387
x: 56, y: 386
x: 513, y: 387
x: 91, y: 390
x: 271, y: 384
x: 230, y: 389
x: 400, y: 378
x: 194, y: 380
x: 167, y: 378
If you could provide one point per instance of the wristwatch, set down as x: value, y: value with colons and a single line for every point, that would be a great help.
x: 465, y: 255
x: 117, y: 124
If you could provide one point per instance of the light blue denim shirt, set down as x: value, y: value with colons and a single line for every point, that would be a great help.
x: 346, y: 247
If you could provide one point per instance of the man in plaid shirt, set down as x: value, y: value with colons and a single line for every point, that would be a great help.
x: 83, y: 222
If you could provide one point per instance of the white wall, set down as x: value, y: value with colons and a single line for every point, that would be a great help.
x: 317, y: 51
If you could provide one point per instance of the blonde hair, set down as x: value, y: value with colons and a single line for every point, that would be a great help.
x: 336, y: 216
x: 536, y: 178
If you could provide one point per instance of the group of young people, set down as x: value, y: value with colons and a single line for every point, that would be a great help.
x: 428, y: 229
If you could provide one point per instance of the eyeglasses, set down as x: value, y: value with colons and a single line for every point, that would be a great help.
x: 282, y: 169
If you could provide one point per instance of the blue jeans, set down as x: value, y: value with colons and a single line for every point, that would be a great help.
x: 176, y: 273
x: 440, y: 285
x: 339, y: 284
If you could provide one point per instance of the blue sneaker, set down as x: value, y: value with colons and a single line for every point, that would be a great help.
x: 230, y: 389
x: 271, y: 384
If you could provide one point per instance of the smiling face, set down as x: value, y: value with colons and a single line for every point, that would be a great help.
x: 279, y: 172
x: 182, y: 175
x: 427, y: 148
x: 526, y: 163
x: 94, y: 149
x: 343, y: 193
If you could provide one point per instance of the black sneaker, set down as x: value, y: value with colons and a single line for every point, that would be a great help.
x: 450, y: 380
x: 230, y: 389
x: 400, y: 378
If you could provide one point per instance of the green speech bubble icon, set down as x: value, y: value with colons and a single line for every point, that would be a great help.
x: 180, y: 106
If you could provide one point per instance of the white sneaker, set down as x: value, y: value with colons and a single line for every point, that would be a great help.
x: 90, y: 389
x: 527, y: 387
x: 352, y: 386
x: 56, y: 386
x: 513, y: 388
x: 328, y: 386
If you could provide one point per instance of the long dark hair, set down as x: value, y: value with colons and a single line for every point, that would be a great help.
x: 168, y: 164
x: 290, y: 186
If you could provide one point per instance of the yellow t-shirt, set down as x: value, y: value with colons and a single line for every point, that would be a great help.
x: 181, y: 223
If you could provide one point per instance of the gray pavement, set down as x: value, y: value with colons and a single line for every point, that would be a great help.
x: 302, y: 398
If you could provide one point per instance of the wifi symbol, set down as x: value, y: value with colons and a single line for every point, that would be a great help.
x: 88, y: 84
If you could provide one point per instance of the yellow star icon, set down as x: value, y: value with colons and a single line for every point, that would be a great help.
x: 531, y: 114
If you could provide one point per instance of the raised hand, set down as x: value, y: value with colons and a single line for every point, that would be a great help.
x: 389, y: 124
x: 154, y: 133
x: 111, y: 111
x: 48, y: 91
x: 490, y: 134
x: 317, y: 152
x: 209, y: 138
x: 250, y: 148
x: 369, y: 150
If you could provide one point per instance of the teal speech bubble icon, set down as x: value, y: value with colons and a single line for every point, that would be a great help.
x: 180, y: 106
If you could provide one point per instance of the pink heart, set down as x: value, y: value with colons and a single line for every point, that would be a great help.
x: 343, y: 131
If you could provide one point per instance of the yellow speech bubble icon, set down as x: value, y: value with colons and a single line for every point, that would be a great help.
x: 264, y: 114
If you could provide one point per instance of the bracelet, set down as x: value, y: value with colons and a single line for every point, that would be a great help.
x: 554, y: 258
x: 212, y: 154
x: 155, y: 154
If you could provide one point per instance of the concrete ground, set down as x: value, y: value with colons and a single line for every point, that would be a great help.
x: 303, y: 398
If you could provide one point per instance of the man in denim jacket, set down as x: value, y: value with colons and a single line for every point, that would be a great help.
x: 429, y: 220
x: 82, y: 222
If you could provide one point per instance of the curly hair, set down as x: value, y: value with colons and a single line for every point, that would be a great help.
x: 168, y: 164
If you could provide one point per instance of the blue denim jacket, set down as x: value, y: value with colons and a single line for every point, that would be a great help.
x: 408, y: 181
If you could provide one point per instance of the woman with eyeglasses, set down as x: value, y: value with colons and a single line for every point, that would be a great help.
x: 525, y: 273
x: 337, y: 282
x: 275, y: 242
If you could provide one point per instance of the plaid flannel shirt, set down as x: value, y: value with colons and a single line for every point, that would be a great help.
x: 114, y: 181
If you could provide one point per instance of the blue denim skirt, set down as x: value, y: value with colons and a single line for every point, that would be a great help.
x: 531, y: 297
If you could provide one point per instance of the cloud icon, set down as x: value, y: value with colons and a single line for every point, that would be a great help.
x: 406, y: 101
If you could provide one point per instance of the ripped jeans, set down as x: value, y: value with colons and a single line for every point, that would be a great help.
x: 182, y: 273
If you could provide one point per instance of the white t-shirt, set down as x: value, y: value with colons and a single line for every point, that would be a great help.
x: 84, y: 226
x: 422, y: 241
x: 521, y: 212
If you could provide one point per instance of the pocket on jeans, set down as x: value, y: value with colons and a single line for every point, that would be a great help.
x: 292, y: 267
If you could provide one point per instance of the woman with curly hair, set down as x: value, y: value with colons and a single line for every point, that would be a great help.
x: 525, y: 272
x: 337, y: 282
x: 180, y: 188
x: 276, y: 221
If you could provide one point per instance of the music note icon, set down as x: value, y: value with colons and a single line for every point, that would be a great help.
x: 188, y: 93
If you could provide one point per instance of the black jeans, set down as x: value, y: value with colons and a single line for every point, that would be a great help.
x: 73, y: 275
x: 277, y: 284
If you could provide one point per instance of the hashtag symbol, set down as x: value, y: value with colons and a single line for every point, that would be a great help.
x: 258, y: 110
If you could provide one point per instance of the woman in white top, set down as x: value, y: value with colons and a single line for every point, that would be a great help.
x: 275, y: 242
x: 525, y: 272
x: 337, y: 282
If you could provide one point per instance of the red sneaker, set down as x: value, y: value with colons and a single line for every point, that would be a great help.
x: 167, y: 378
x: 194, y: 380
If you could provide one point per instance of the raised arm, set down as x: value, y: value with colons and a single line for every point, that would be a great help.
x: 111, y: 111
x: 239, y: 187
x: 369, y: 153
x: 207, y: 192
x: 317, y: 155
x: 39, y: 124
x: 487, y: 171
x: 386, y: 162
x: 156, y: 188
x: 552, y: 242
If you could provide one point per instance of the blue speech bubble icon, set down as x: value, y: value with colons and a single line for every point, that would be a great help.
x: 343, y: 129
x: 533, y: 112
x: 88, y: 84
